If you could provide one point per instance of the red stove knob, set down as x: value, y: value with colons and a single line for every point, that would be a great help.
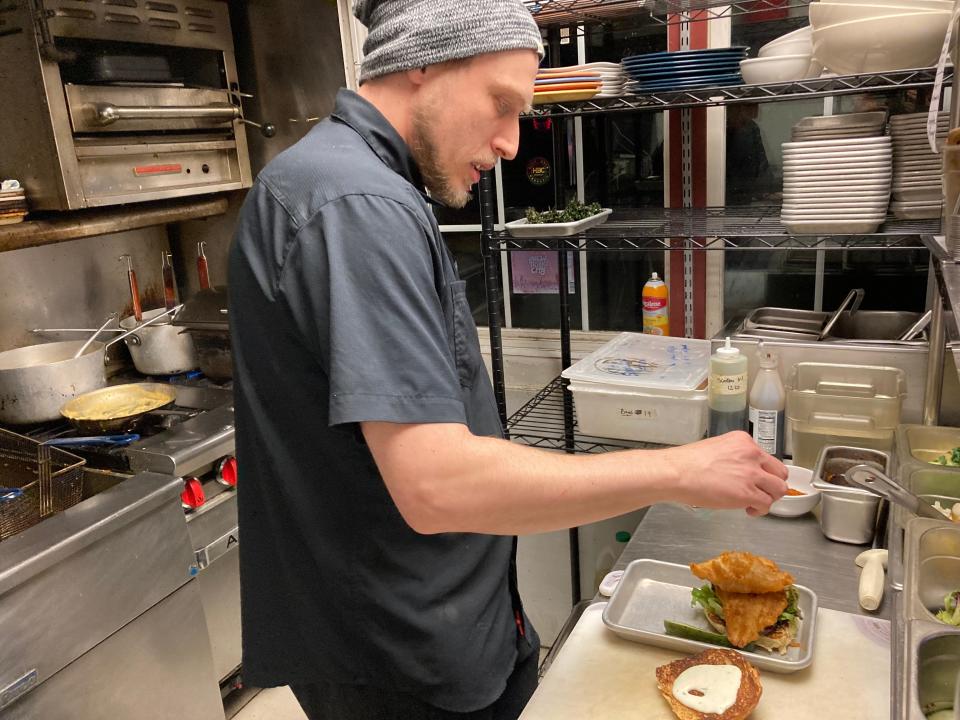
x: 192, y: 496
x: 227, y: 472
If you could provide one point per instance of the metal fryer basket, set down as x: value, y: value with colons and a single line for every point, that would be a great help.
x: 48, y: 480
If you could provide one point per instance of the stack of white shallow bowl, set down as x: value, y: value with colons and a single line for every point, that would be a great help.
x: 839, y: 127
x: 863, y: 36
x: 917, y: 172
x: 836, y: 186
x: 787, y: 58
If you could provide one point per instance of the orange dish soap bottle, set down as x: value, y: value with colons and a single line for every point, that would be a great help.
x: 656, y: 319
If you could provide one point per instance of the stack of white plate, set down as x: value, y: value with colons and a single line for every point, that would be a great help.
x: 836, y: 186
x: 917, y: 172
x: 838, y: 127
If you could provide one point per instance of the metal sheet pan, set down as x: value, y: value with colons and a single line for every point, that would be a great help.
x: 652, y: 591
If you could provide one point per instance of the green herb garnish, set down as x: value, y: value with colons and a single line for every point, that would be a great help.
x: 574, y: 211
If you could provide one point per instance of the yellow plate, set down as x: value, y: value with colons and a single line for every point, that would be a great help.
x: 541, y: 98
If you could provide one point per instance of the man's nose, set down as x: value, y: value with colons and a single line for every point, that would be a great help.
x: 507, y: 142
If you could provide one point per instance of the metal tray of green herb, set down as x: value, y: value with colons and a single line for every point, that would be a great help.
x: 554, y: 223
x: 652, y: 592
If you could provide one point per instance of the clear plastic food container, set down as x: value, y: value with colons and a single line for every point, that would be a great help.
x: 857, y: 405
x: 646, y: 388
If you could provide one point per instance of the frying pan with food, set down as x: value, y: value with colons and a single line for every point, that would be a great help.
x: 116, y: 409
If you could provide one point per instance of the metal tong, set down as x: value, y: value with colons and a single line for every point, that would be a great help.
x: 853, y: 299
x: 918, y: 327
x: 872, y: 480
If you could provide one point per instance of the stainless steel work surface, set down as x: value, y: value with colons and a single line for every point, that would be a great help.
x: 652, y: 592
x: 599, y: 676
x: 674, y: 534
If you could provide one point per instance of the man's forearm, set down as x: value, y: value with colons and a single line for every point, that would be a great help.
x: 444, y: 479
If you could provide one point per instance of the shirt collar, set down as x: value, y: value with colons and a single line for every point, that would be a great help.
x: 369, y: 123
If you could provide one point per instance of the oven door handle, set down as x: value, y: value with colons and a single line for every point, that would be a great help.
x: 217, y: 549
x: 107, y: 113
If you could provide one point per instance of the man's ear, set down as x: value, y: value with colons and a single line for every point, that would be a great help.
x: 417, y: 76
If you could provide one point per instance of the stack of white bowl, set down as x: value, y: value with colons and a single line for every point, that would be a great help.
x: 863, y: 36
x: 787, y: 58
x: 839, y: 186
x: 917, y: 172
x: 838, y: 127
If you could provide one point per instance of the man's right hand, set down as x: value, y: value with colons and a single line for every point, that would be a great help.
x: 728, y: 472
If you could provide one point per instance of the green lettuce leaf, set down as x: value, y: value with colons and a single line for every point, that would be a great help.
x: 707, y: 598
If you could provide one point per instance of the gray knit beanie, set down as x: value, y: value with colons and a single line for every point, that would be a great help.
x: 407, y: 34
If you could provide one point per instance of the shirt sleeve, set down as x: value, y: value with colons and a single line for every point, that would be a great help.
x: 360, y: 284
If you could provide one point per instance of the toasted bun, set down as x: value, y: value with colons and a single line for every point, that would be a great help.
x: 748, y: 696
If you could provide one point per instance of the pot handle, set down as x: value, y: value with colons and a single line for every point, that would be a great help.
x: 8, y: 494
x: 133, y: 340
x: 118, y: 440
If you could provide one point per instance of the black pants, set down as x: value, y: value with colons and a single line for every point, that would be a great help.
x: 330, y: 701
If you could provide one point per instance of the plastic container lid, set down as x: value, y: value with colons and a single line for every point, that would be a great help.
x: 648, y: 362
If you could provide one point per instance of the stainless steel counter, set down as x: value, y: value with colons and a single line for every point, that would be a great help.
x: 674, y: 534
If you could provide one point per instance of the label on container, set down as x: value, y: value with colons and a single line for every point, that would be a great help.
x: 723, y: 384
x: 653, y: 304
x: 766, y: 427
x: 640, y: 412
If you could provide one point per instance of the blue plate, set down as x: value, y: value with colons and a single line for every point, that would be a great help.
x: 718, y: 80
x: 690, y: 62
x: 724, y: 69
x: 737, y: 49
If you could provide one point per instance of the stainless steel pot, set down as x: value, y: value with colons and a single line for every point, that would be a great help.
x: 160, y: 348
x: 36, y: 381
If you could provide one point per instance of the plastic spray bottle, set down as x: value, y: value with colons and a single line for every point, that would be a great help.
x: 656, y: 319
x: 767, y: 402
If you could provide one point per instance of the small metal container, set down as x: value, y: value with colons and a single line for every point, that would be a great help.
x: 919, y: 447
x: 847, y: 514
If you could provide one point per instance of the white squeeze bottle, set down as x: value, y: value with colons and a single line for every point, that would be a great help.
x: 727, y: 394
x: 767, y: 402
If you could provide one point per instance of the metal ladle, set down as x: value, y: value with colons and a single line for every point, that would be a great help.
x: 872, y: 480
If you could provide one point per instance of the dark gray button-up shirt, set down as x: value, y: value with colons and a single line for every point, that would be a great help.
x: 345, y: 306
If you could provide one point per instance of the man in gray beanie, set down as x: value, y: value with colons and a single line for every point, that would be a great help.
x: 379, y: 502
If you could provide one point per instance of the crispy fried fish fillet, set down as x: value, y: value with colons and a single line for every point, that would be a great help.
x: 747, y: 614
x: 743, y: 572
